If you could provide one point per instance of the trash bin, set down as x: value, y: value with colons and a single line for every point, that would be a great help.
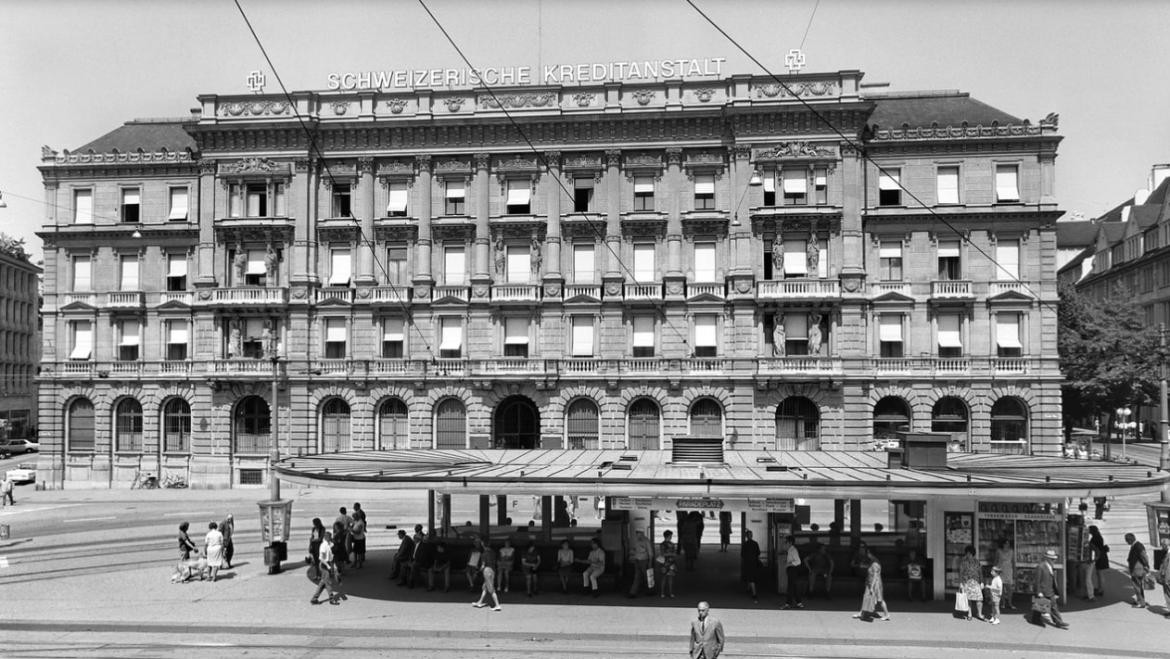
x: 4, y: 531
x: 275, y: 553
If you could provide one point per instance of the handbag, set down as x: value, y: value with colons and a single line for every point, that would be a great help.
x: 961, y: 604
x: 649, y: 577
x: 1148, y: 582
x: 1041, y: 605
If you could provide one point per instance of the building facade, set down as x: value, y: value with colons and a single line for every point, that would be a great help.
x: 19, y: 342
x: 687, y: 266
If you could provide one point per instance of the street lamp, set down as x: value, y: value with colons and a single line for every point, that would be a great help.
x: 1124, y: 413
x: 275, y: 514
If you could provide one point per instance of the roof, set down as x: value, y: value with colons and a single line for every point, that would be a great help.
x: 951, y: 108
x: 150, y: 135
x: 1075, y: 234
x: 1145, y: 215
x: 1157, y: 197
x: 1114, y: 231
x: 746, y: 473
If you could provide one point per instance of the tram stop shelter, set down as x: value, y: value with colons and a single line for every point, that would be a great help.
x: 945, y: 501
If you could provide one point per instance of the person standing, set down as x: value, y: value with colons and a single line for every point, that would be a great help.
x: 820, y: 564
x: 971, y: 582
x: 487, y: 563
x: 1100, y: 552
x: 668, y: 564
x: 688, y: 537
x: 341, y: 539
x: 641, y: 551
x: 1139, y: 565
x: 724, y: 529
x: 531, y: 564
x: 213, y: 546
x: 874, y: 591
x: 995, y: 588
x: 749, y: 564
x: 228, y: 528
x: 316, y: 537
x: 1005, y: 560
x: 792, y: 564
x: 6, y: 492
x: 1045, y: 580
x: 357, y: 534
x: 507, y: 564
x: 707, y: 637
x: 185, y: 544
x: 1164, y: 573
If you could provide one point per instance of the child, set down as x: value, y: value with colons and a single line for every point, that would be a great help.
x: 915, y: 581
x: 507, y: 563
x: 995, y: 585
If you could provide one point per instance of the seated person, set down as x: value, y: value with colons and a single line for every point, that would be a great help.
x: 440, y: 564
x: 424, y: 559
x: 196, y: 565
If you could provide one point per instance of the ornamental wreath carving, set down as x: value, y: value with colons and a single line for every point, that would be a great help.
x: 816, y: 88
x: 583, y: 100
x: 454, y: 104
x: 794, y: 150
x: 251, y: 165
x: 531, y: 100
x: 643, y: 96
x: 396, y: 105
x: 254, y: 108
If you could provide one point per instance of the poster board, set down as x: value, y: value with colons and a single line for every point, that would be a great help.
x: 959, y: 531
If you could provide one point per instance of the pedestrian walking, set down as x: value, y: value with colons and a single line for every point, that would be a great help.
x: 724, y: 529
x: 213, y: 545
x: 1163, y: 574
x: 596, y: 566
x: 6, y: 487
x: 667, y: 564
x: 874, y: 595
x: 1139, y: 565
x: 1047, y: 596
x: 487, y: 565
x: 707, y: 637
x: 995, y: 590
x: 330, y: 578
x: 792, y: 569
x: 228, y: 528
x: 316, y: 537
x: 641, y: 552
x: 749, y: 564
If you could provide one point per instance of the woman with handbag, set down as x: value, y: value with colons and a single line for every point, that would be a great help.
x: 1163, y: 574
x: 971, y: 582
x: 1139, y: 566
x: 874, y: 592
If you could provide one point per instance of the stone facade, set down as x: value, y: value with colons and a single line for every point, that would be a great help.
x: 425, y: 280
x: 19, y: 347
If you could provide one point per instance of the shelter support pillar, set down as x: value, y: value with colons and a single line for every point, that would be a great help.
x: 839, y: 519
x: 445, y: 513
x: 430, y: 511
x: 855, y: 519
x: 485, y: 506
x: 501, y: 509
x: 546, y: 518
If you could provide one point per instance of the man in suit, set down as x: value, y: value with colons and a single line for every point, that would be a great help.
x: 706, y: 635
x: 1045, y: 580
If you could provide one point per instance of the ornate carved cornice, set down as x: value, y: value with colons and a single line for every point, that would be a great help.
x: 256, y: 108
x: 795, y: 89
x: 935, y: 132
x: 704, y: 161
x: 795, y: 151
x: 254, y: 167
x: 518, y: 100
x: 673, y: 156
x: 453, y: 166
x: 482, y: 161
x: 365, y: 165
x: 395, y: 169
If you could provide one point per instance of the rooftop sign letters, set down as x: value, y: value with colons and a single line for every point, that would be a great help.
x: 548, y: 74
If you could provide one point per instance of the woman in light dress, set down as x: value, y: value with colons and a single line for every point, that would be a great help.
x: 213, y: 546
x: 874, y: 596
x: 971, y: 582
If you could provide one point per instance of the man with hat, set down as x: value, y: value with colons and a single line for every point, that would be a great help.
x: 1045, y: 580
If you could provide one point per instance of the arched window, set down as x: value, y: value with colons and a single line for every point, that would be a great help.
x: 949, y: 415
x: 645, y: 433
x: 450, y: 424
x: 128, y: 426
x: 176, y: 423
x: 335, y: 426
x: 252, y: 425
x: 581, y: 425
x: 393, y: 426
x: 798, y: 425
x: 706, y: 418
x: 1009, y: 426
x: 80, y: 426
x: 890, y: 415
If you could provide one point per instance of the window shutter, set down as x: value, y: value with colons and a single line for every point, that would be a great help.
x: 456, y: 190
x: 644, y: 184
x: 256, y: 264
x: 889, y: 181
x: 643, y: 332
x: 129, y: 273
x: 948, y: 185
x: 131, y: 196
x: 130, y: 333
x: 705, y: 184
x: 705, y: 331
x: 948, y: 331
x: 823, y: 259
x: 82, y: 275
x: 254, y: 329
x: 890, y: 328
x: 176, y: 265
x: 516, y: 331
x: 796, y: 326
x: 82, y: 340
x: 398, y: 197
x: 705, y: 262
x: 948, y: 249
x: 83, y: 207
x: 340, y: 268
x: 644, y: 262
x: 795, y: 181
x: 178, y: 204
x: 519, y: 192
x: 584, y: 268
x: 335, y: 330
x: 582, y: 336
x: 177, y: 332
x: 770, y: 182
x: 1007, y: 330
x: 1007, y: 183
x: 1007, y: 257
x: 393, y: 329
x: 890, y: 250
x: 519, y: 264
x: 454, y: 270
x: 452, y: 338
x: 795, y: 259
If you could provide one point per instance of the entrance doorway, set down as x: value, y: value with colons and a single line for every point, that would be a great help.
x: 517, y: 424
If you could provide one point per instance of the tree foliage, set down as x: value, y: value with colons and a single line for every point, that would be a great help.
x: 13, y: 247
x: 1110, y: 357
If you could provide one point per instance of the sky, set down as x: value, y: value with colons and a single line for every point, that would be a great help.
x: 71, y: 71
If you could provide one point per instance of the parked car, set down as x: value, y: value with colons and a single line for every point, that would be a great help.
x: 18, y: 447
x: 25, y: 472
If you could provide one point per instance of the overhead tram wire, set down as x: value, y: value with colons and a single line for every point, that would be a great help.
x: 810, y: 20
x: 314, y: 149
x: 864, y: 153
x: 544, y: 162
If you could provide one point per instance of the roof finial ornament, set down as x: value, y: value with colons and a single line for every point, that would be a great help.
x: 794, y: 60
x: 256, y: 81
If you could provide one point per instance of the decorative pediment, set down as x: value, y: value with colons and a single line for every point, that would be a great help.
x: 643, y: 161
x: 704, y: 223
x: 1010, y: 296
x: 395, y: 169
x: 450, y: 166
x: 395, y: 229
x: 458, y: 229
x: 705, y: 160
x: 893, y: 297
x: 521, y: 227
x: 517, y: 164
x: 582, y: 161
x: 796, y: 151
x: 644, y: 225
x: 254, y: 166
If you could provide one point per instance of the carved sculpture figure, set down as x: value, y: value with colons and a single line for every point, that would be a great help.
x: 235, y: 338
x: 814, y: 334
x: 267, y: 339
x: 779, y: 335
x: 537, y: 256
x: 270, y: 263
x: 778, y: 257
x: 241, y: 262
x: 812, y: 255
x: 501, y: 256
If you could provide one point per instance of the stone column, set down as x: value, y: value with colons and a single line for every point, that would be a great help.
x: 613, y: 217
x: 300, y: 190
x: 423, y: 195
x: 674, y: 187
x: 482, y: 267
x: 206, y: 192
x: 364, y: 205
x: 552, y: 252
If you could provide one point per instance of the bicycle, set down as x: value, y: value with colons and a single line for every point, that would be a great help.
x: 144, y: 481
x: 175, y: 482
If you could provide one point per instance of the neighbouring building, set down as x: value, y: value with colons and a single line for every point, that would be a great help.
x: 685, y: 266
x: 19, y: 341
